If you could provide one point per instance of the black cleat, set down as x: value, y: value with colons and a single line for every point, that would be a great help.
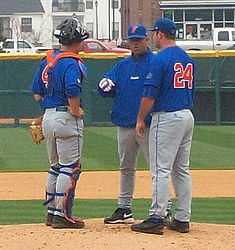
x: 179, y: 226
x: 60, y: 223
x: 151, y: 226
x: 49, y: 219
x: 120, y: 216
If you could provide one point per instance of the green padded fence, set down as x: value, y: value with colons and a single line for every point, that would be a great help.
x: 215, y: 87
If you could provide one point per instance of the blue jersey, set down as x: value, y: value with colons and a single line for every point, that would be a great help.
x: 56, y: 85
x: 170, y: 80
x: 128, y: 76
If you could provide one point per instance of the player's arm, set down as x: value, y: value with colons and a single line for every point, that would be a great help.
x: 151, y: 92
x: 145, y: 108
x: 107, y: 86
x: 73, y: 89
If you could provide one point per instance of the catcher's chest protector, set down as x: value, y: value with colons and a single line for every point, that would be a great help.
x: 52, y: 61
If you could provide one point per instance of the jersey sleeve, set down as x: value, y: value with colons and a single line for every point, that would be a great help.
x: 38, y: 85
x: 154, y: 78
x: 73, y: 80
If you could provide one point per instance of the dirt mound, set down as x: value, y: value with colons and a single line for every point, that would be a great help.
x: 97, y: 236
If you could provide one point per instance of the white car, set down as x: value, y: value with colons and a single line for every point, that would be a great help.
x: 14, y: 46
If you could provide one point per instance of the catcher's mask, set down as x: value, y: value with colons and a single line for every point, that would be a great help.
x: 70, y: 31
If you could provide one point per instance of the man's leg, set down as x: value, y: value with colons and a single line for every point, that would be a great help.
x: 69, y: 152
x: 167, y: 130
x: 182, y: 181
x: 128, y: 151
x: 52, y: 173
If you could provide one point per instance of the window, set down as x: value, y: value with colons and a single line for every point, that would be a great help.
x: 26, y: 24
x: 198, y: 15
x: 68, y: 6
x: 218, y: 25
x: 89, y: 5
x: 90, y: 29
x: 223, y: 36
x: 9, y: 45
x: 218, y: 15
x: 179, y: 31
x: 23, y: 45
x: 115, y: 4
x: 168, y: 14
x: 178, y: 15
x: 229, y: 15
x: 92, y: 46
x: 233, y: 35
x: 116, y: 30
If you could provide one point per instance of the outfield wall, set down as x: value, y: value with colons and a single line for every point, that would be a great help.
x: 215, y: 86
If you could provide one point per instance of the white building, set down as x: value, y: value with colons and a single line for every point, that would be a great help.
x: 94, y: 14
x: 35, y: 20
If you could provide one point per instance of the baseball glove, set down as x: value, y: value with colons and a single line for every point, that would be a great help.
x: 36, y: 132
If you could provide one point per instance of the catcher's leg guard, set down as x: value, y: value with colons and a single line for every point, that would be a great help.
x: 53, y: 173
x: 65, y: 190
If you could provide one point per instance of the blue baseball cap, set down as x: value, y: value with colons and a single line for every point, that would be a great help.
x: 137, y: 31
x: 165, y: 25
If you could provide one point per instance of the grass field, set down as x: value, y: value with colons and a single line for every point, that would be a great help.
x: 213, y: 148
x: 219, y: 211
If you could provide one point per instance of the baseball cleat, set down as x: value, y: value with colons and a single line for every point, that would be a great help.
x: 120, y: 216
x: 60, y: 223
x: 49, y: 219
x: 151, y: 226
x: 179, y: 226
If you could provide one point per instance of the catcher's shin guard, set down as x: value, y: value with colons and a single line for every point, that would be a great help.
x: 51, y: 189
x: 73, y: 172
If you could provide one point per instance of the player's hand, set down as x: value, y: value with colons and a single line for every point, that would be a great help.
x: 140, y: 128
x: 106, y: 84
x: 79, y: 113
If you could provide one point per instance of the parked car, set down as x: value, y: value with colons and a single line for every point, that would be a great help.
x: 220, y: 39
x: 92, y: 45
x: 14, y: 46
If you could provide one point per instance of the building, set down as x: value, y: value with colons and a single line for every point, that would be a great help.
x: 21, y: 19
x: 196, y: 19
x: 96, y: 15
x: 35, y: 20
x: 138, y: 11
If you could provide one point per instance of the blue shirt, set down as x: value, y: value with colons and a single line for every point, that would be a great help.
x: 170, y: 80
x: 128, y: 76
x: 64, y: 80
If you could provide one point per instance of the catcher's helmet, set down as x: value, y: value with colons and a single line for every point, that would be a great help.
x: 70, y: 31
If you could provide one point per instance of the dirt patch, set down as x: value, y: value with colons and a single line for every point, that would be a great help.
x: 97, y: 236
x: 105, y: 185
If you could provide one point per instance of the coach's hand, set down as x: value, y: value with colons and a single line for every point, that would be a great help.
x: 140, y: 128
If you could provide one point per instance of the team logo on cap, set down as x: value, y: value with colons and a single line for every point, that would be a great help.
x: 134, y: 28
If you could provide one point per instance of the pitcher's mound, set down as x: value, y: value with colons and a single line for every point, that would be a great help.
x: 97, y: 236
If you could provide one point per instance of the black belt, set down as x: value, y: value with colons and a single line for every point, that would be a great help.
x: 62, y: 109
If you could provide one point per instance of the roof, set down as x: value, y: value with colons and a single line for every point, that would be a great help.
x: 8, y: 7
x: 196, y: 3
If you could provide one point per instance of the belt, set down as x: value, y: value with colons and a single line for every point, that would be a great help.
x: 62, y: 108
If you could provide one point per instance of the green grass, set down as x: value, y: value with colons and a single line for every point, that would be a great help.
x: 215, y: 210
x: 213, y: 148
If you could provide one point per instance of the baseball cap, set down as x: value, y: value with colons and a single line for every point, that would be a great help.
x: 137, y: 31
x: 165, y: 25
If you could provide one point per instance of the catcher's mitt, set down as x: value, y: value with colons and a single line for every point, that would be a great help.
x: 36, y: 133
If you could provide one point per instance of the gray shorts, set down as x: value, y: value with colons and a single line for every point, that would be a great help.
x: 63, y: 133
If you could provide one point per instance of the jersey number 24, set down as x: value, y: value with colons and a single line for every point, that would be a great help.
x: 183, y: 77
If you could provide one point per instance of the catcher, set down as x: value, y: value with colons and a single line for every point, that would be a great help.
x: 57, y: 86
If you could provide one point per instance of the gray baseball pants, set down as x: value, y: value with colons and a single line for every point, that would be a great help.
x: 170, y: 141
x: 64, y: 134
x: 129, y: 145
